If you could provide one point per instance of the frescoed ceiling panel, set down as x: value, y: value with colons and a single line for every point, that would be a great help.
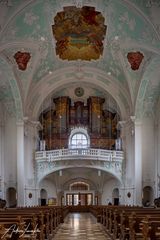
x: 127, y: 23
x: 33, y: 24
x: 79, y: 33
x: 132, y: 25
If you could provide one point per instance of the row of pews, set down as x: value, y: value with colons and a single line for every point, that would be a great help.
x: 126, y: 222
x: 23, y: 223
x: 42, y: 222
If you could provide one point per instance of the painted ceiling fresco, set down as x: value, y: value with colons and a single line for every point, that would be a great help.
x: 79, y: 33
x: 114, y: 29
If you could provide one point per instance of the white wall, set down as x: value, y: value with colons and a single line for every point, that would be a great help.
x: 129, y: 165
x: 148, y: 152
x: 29, y: 154
x: 49, y: 186
x: 108, y: 189
x: 10, y: 152
x: 29, y: 150
x: 1, y: 151
x: 157, y: 153
x: 30, y: 138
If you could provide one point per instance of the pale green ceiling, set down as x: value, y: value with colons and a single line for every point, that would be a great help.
x: 9, y: 91
x: 132, y: 25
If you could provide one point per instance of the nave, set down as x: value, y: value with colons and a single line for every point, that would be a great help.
x: 80, y: 226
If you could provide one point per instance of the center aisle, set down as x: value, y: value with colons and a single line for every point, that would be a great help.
x: 81, y: 226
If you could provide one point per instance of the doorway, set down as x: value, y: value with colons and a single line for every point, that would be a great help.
x: 115, y: 196
x: 11, y: 197
x: 147, y: 200
x: 43, y: 197
x: 82, y: 199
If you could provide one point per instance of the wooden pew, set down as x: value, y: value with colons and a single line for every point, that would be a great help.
x: 46, y: 219
x: 125, y: 222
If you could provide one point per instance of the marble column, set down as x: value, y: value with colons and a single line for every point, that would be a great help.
x: 20, y: 164
x: 138, y: 163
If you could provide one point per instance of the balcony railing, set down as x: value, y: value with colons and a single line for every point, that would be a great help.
x: 107, y: 160
x: 72, y: 154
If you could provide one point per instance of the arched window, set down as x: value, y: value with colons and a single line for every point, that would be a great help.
x: 79, y: 138
x: 79, y: 186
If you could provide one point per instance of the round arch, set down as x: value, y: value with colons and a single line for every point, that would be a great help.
x: 148, y: 94
x: 56, y: 169
x: 89, y: 182
x: 101, y: 79
x: 79, y: 185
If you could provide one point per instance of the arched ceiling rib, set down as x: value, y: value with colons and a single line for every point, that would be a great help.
x: 9, y: 90
x: 98, y: 80
x: 70, y: 173
x: 149, y: 90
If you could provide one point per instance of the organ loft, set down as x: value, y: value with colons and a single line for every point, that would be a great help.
x: 63, y: 116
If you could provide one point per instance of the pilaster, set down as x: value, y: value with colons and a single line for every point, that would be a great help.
x: 138, y: 163
x: 20, y: 164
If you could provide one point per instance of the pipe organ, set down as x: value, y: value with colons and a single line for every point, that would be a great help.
x: 63, y: 116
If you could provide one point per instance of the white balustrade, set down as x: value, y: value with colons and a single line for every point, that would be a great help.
x: 109, y: 161
x: 89, y: 153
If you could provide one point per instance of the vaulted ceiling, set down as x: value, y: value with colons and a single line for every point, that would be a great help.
x: 132, y: 26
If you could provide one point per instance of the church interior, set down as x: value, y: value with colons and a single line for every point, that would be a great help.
x: 80, y: 115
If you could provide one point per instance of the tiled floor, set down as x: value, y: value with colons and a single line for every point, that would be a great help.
x: 81, y: 226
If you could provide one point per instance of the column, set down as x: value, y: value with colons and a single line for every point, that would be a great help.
x: 138, y: 163
x: 121, y: 126
x: 2, y: 160
x: 20, y: 164
x: 128, y: 141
